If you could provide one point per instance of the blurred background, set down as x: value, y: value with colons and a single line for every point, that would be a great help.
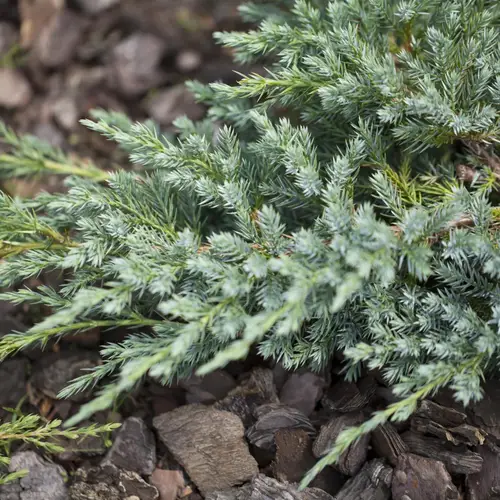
x: 61, y: 58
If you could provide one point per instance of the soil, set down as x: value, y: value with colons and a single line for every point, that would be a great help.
x: 251, y: 431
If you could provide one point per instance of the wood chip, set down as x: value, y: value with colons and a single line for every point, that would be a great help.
x: 420, y: 478
x: 209, y: 444
x: 373, y: 482
x: 387, y: 443
x: 353, y: 458
x: 294, y: 458
x: 346, y: 397
x: 486, y: 483
x: 486, y: 413
x: 457, y: 460
x: 462, y: 434
x: 447, y: 417
x: 272, y: 417
x: 266, y: 488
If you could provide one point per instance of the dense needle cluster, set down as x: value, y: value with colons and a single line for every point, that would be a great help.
x: 343, y: 201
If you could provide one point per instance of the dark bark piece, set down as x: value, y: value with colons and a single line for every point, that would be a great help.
x: 260, y: 381
x: 348, y: 397
x: 266, y: 488
x: 77, y: 450
x: 447, y: 417
x: 421, y: 478
x: 469, y: 434
x: 373, y: 482
x: 462, y: 434
x: 294, y: 458
x: 303, y: 391
x: 315, y: 494
x: 425, y: 426
x: 272, y: 417
x: 13, y: 375
x: 254, y: 391
x: 486, y: 413
x: 457, y: 461
x: 486, y: 483
x: 387, y: 443
x: 351, y: 461
x: 280, y: 374
x: 209, y: 444
x: 134, y: 448
x: 294, y: 455
x: 208, y: 389
x: 242, y: 493
x: 55, y: 370
x: 110, y: 483
x: 242, y: 406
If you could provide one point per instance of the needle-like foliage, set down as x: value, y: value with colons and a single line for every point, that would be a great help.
x: 365, y: 222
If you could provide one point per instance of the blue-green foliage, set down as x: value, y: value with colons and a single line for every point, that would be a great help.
x: 342, y: 227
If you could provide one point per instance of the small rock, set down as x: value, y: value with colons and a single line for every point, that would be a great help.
x: 208, y: 389
x: 65, y: 112
x: 96, y: 6
x: 135, y: 63
x: 169, y: 483
x: 60, y: 38
x: 54, y: 371
x: 34, y: 16
x: 110, y: 483
x: 209, y: 444
x: 271, y: 418
x: 15, y: 90
x: 421, y: 478
x: 302, y: 391
x: 354, y: 457
x: 485, y: 483
x: 8, y: 37
x: 188, y: 60
x: 373, y: 482
x: 44, y: 479
x: 50, y: 134
x: 169, y: 104
x: 134, y: 448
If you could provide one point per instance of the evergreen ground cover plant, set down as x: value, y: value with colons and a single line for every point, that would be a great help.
x: 346, y: 201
